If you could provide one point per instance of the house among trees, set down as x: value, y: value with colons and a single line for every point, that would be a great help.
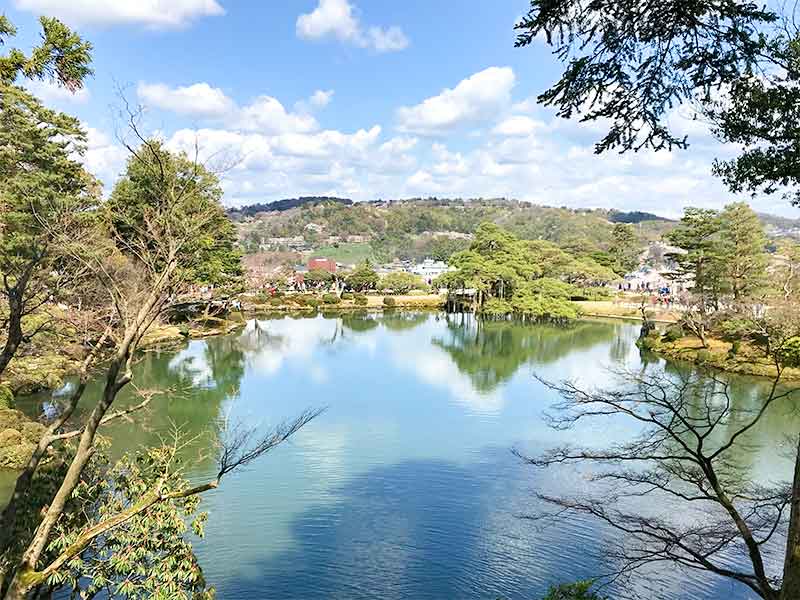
x: 430, y: 269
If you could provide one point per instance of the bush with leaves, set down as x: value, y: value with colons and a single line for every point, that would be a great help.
x: 147, y: 556
x: 673, y: 334
x: 363, y: 278
x: 573, y: 591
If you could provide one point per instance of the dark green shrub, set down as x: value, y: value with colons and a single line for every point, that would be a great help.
x: 389, y: 302
x: 736, y: 346
x: 360, y: 299
x: 673, y: 334
x: 789, y: 353
x: 275, y: 301
x: 647, y: 342
x: 347, y: 295
x: 572, y: 591
x: 331, y: 299
x: 313, y: 302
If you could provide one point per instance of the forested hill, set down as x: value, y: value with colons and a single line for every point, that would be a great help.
x: 393, y: 227
x: 616, y: 216
x: 435, y: 226
x: 286, y: 204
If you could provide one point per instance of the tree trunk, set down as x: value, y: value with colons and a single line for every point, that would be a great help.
x: 15, y: 336
x: 791, y: 566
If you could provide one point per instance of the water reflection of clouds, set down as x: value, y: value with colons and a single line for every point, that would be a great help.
x: 193, y: 363
x: 406, y: 488
x: 413, y: 351
x: 435, y: 367
x: 273, y: 343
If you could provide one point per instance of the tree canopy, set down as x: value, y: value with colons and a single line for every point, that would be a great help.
x: 529, y: 278
x: 631, y: 64
x: 166, y: 204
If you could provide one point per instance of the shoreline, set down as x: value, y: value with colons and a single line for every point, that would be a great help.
x: 31, y: 374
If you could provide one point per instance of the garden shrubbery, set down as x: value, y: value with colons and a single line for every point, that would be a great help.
x: 673, y: 334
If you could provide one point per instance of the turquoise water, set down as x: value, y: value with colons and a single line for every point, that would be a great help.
x: 405, y: 487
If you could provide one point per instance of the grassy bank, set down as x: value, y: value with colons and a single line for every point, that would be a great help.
x: 289, y: 303
x: 747, y: 360
x: 47, y: 365
x: 615, y: 310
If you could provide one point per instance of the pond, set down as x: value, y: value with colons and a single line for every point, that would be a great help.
x: 405, y: 487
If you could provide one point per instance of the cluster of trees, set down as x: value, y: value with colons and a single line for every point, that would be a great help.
x: 75, y: 521
x: 364, y: 278
x: 738, y: 290
x: 530, y: 278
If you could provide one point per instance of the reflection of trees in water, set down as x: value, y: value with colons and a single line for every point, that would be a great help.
x: 760, y: 449
x: 491, y: 352
x: 403, y: 321
x: 619, y: 349
x: 394, y: 320
x: 360, y: 321
x: 257, y: 337
x: 193, y: 385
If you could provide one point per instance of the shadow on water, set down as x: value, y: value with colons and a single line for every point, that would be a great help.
x: 416, y: 529
x: 432, y: 529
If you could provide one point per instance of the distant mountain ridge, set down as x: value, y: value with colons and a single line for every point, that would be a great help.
x: 393, y: 227
x: 613, y: 215
x: 634, y: 217
x: 251, y: 210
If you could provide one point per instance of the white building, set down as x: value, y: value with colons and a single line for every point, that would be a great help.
x: 430, y: 269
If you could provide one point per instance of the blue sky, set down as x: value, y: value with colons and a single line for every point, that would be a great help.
x: 359, y: 98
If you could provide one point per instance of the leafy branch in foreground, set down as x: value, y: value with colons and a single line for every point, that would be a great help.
x: 630, y: 65
x: 162, y: 218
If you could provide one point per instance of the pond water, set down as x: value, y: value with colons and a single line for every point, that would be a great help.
x: 405, y: 487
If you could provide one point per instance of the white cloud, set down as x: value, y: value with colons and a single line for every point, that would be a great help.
x: 321, y: 98
x: 150, y: 13
x: 269, y: 115
x: 49, y: 92
x: 335, y: 18
x: 399, y: 144
x: 529, y: 154
x: 474, y: 99
x: 391, y: 39
x: 317, y: 101
x: 517, y: 125
x: 265, y: 114
x: 449, y: 163
x: 198, y: 99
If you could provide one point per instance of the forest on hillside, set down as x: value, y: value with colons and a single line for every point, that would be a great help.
x: 414, y: 228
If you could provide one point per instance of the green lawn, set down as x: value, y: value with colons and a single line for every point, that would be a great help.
x: 345, y: 253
